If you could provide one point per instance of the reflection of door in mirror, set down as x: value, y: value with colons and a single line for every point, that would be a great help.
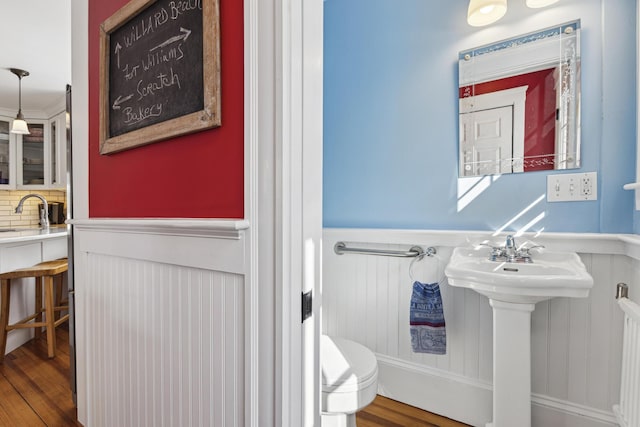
x: 501, y: 112
x: 538, y: 75
x: 486, y: 141
x: 534, y: 97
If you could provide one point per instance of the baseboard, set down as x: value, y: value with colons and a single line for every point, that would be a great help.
x: 619, y: 416
x: 547, y: 410
x: 433, y: 390
x: 470, y: 401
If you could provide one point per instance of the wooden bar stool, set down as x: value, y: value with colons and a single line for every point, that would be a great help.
x: 50, y: 271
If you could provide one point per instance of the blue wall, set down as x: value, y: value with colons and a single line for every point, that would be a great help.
x: 390, y: 118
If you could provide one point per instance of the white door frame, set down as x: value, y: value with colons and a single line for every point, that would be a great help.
x: 299, y: 198
x: 283, y: 111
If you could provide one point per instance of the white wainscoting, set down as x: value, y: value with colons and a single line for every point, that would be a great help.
x: 160, y: 325
x: 576, y: 343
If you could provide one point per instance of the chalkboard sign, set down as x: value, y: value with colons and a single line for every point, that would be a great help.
x: 159, y: 72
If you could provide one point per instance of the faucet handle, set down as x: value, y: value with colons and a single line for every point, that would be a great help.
x: 525, y: 252
x: 528, y: 248
x: 496, y: 251
x: 493, y: 248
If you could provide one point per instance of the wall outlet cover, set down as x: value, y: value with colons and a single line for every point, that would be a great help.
x: 572, y: 187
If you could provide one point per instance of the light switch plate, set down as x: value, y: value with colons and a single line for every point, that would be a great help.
x: 569, y: 187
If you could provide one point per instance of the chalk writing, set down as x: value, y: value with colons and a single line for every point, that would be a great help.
x: 161, y: 56
x: 137, y: 115
x: 183, y: 37
x: 161, y: 82
x: 145, y: 26
x: 117, y: 51
x: 129, y: 74
x: 121, y: 100
x: 179, y: 7
x: 155, y: 72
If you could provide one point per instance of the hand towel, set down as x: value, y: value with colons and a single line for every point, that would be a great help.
x: 426, y: 319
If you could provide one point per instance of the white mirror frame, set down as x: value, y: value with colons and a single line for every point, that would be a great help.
x: 636, y: 185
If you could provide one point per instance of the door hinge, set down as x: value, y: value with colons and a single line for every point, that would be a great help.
x: 307, y: 305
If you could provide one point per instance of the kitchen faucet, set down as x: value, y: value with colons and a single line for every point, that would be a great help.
x: 44, y: 212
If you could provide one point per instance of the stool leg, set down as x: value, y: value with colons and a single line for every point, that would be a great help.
x: 49, y: 313
x: 58, y: 301
x: 5, y: 296
x: 38, y: 330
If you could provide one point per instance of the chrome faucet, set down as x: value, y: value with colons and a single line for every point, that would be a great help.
x: 44, y: 212
x: 511, y: 251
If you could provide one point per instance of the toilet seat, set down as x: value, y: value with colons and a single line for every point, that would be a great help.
x: 349, y: 375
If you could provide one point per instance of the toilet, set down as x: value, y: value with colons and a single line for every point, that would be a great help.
x: 349, y: 380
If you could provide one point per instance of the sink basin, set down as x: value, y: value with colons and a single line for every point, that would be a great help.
x: 551, y: 274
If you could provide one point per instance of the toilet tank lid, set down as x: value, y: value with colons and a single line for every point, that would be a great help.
x: 346, y: 364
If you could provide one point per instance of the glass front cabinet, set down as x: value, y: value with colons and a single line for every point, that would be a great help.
x: 7, y: 155
x: 34, y: 161
x: 58, y: 151
x: 31, y: 156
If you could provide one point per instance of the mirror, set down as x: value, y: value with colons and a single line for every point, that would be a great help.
x: 519, y: 103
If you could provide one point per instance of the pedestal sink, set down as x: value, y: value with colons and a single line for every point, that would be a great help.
x: 513, y: 288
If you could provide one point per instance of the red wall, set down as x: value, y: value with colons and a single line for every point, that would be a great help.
x: 193, y: 176
x: 540, y: 111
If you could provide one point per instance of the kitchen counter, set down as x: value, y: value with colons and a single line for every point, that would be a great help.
x: 30, y: 234
x: 25, y: 247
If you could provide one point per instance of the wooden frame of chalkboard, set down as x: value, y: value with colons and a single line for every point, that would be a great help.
x: 159, y: 72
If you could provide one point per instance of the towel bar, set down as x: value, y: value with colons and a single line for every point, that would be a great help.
x: 341, y: 248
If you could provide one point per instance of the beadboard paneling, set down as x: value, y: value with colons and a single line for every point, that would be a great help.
x: 159, y: 344
x: 576, y: 343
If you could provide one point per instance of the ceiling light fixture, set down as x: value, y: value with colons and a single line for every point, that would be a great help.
x: 534, y: 4
x: 485, y: 12
x: 19, y: 125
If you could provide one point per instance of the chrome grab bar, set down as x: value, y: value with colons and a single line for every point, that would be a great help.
x: 341, y: 248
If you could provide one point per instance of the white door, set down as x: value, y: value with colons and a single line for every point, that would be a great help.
x: 486, y: 141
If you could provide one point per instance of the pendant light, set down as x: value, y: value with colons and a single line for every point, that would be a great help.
x: 485, y: 12
x: 534, y: 4
x: 19, y: 125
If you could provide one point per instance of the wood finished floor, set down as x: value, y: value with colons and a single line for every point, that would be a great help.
x: 384, y: 412
x: 35, y: 390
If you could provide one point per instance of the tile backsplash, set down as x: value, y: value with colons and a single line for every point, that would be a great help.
x: 29, y: 217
